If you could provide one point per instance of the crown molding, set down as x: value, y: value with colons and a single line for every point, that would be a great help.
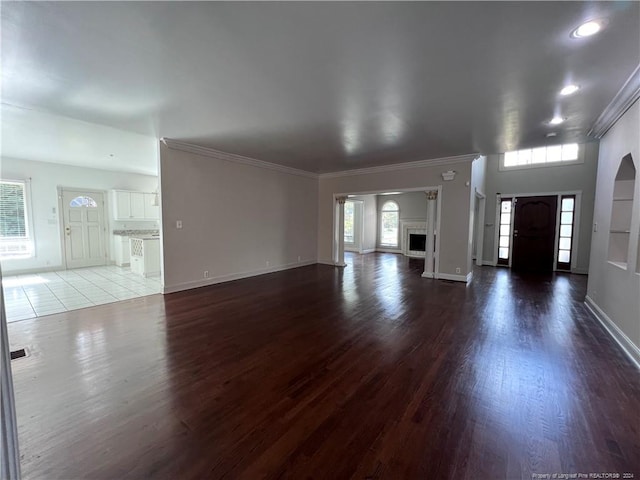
x: 231, y: 157
x: 627, y: 96
x: 403, y: 166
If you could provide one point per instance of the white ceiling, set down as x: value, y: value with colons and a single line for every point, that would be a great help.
x: 322, y: 86
x: 34, y: 135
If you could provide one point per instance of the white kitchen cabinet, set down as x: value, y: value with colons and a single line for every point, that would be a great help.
x: 134, y: 206
x: 145, y: 256
x: 121, y: 250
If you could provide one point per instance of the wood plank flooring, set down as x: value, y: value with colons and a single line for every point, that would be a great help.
x: 369, y: 372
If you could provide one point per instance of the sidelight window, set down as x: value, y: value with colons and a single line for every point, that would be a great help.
x: 567, y: 222
x: 504, y: 234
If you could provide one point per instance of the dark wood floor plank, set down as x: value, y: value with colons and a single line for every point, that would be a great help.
x: 369, y: 372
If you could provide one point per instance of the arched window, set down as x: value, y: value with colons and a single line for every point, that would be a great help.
x: 83, y: 201
x: 389, y: 224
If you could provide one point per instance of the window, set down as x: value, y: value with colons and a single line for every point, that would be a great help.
x: 539, y: 157
x: 15, y: 240
x: 504, y: 234
x: 349, y: 217
x: 389, y: 221
x: 83, y: 201
x: 567, y: 221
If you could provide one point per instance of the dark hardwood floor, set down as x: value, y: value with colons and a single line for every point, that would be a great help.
x: 368, y: 372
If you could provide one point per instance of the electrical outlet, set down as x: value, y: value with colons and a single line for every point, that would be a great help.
x: 298, y: 257
x: 458, y: 270
x: 268, y: 263
x: 206, y: 274
x: 178, y: 224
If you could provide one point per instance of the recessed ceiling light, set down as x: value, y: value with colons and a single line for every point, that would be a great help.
x: 588, y: 28
x: 557, y: 120
x: 569, y: 89
x: 551, y: 134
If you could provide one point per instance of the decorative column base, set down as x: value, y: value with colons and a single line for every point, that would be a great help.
x: 428, y: 275
x: 340, y: 264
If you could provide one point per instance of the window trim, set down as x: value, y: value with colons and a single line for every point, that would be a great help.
x: 577, y: 161
x: 28, y: 213
x: 397, y: 210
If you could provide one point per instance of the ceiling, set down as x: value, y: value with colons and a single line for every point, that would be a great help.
x: 322, y: 86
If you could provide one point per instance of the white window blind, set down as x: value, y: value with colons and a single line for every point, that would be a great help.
x: 15, y: 238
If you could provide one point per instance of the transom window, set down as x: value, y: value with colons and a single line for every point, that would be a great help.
x: 539, y: 157
x: 389, y: 224
x: 15, y: 235
x: 83, y: 201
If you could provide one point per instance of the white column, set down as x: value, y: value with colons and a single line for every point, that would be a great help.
x: 432, y: 197
x: 339, y: 260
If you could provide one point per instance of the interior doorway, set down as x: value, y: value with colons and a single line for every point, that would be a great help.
x: 84, y: 228
x: 534, y: 233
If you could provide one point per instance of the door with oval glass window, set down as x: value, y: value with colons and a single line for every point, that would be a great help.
x: 84, y: 228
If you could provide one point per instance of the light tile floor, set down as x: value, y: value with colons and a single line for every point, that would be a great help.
x: 39, y: 294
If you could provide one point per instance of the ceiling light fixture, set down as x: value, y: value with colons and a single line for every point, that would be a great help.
x: 588, y: 28
x: 551, y: 134
x: 557, y: 120
x: 569, y: 89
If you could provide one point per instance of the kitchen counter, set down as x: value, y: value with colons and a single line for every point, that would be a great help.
x: 129, y: 233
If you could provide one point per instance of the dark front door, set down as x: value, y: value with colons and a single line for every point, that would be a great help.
x: 534, y: 232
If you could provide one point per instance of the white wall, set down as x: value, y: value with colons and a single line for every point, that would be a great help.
x: 235, y: 218
x: 45, y: 180
x: 454, y: 226
x: 612, y: 290
x: 561, y: 178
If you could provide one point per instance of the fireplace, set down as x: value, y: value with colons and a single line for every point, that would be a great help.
x: 414, y: 238
x: 417, y: 242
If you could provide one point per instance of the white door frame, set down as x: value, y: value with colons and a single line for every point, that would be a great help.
x: 577, y: 212
x: 481, y: 201
x: 105, y: 213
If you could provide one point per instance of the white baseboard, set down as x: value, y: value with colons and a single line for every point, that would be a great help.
x: 428, y: 275
x: 388, y: 250
x: 455, y: 278
x: 368, y: 250
x: 326, y: 262
x: 233, y: 276
x: 488, y: 263
x: 627, y: 346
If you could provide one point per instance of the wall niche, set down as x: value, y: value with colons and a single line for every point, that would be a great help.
x: 621, y: 209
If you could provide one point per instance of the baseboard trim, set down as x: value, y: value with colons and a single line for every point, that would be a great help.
x: 627, y: 346
x: 455, y: 278
x: 580, y: 271
x: 368, y: 250
x: 388, y: 250
x: 488, y: 263
x: 428, y: 275
x: 233, y: 276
